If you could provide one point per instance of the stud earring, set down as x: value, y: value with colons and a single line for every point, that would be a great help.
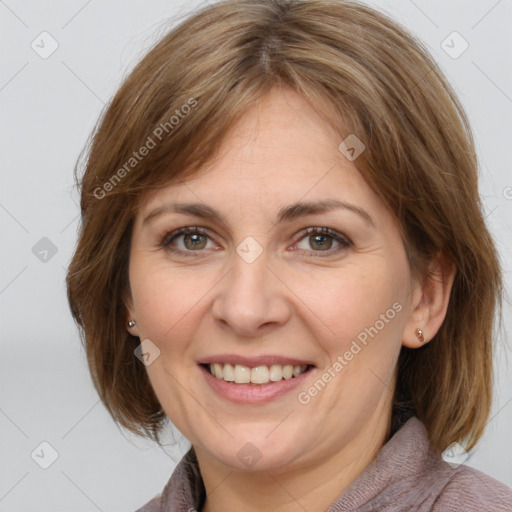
x: 131, y: 323
x: 419, y: 334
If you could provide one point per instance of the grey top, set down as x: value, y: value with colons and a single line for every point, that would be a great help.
x: 406, y: 475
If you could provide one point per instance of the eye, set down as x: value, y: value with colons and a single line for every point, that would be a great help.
x: 190, y: 239
x: 322, y: 240
x: 193, y: 239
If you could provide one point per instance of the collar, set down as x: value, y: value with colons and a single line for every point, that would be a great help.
x: 404, y: 472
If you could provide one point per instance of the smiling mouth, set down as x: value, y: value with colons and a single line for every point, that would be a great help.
x: 241, y: 374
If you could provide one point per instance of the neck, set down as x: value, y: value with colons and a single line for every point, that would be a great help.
x: 313, y: 487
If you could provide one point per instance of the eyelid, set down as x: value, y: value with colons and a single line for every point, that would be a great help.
x: 343, y: 241
x: 175, y: 233
x: 322, y: 230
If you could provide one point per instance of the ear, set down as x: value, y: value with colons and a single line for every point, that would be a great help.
x: 429, y: 303
x: 130, y: 313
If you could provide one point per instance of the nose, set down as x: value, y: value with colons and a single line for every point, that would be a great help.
x: 251, y: 299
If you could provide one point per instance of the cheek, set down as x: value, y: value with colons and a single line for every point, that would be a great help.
x: 362, y: 304
x: 165, y: 300
x: 170, y: 303
x: 364, y: 310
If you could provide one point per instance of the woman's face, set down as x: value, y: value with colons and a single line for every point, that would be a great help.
x: 261, y: 283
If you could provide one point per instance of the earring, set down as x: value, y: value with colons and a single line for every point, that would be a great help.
x: 131, y: 323
x: 419, y: 334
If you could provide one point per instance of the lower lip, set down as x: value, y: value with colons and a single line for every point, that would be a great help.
x: 253, y: 393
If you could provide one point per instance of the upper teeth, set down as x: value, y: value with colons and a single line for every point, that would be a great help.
x: 258, y: 375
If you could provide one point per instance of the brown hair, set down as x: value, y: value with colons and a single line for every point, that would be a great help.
x: 367, y: 76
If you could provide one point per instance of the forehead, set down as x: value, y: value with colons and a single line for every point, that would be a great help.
x: 280, y: 151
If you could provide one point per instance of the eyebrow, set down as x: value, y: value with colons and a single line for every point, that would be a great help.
x: 285, y: 214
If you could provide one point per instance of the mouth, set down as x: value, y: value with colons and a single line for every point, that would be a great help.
x: 239, y: 374
x: 255, y: 379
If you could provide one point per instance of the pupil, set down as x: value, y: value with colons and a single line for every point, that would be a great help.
x: 194, y: 239
x: 320, y: 240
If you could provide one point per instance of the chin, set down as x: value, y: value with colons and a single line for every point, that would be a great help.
x: 254, y: 453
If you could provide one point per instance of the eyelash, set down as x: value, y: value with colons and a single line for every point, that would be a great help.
x: 342, y: 240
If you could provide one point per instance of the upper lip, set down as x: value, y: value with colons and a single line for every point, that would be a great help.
x: 263, y: 360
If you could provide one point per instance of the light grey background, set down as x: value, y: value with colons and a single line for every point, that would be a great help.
x: 48, y: 108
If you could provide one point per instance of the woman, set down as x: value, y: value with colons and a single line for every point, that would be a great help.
x: 283, y: 252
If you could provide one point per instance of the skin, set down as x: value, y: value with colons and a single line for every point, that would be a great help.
x: 292, y: 300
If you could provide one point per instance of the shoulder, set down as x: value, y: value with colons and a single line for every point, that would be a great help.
x: 152, y: 506
x: 470, y: 490
x: 183, y: 492
x: 409, y: 475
